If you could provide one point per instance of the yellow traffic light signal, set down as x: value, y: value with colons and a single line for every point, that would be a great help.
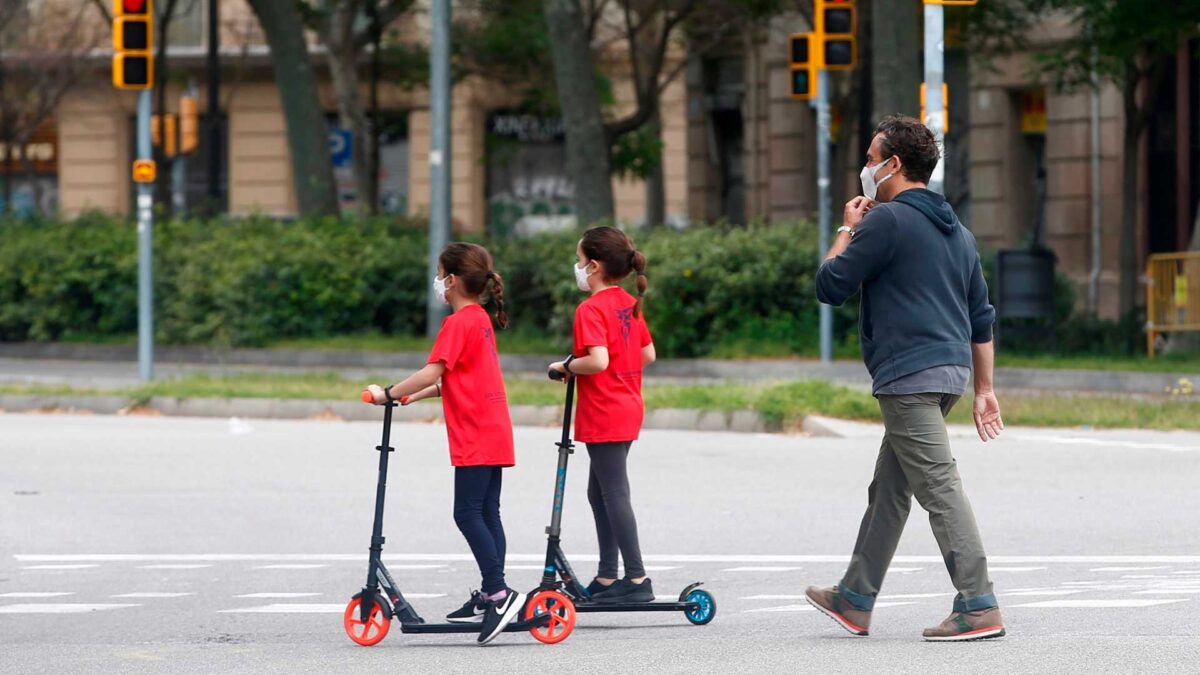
x: 802, y: 66
x: 133, y: 44
x: 945, y: 107
x: 189, y: 124
x: 836, y: 25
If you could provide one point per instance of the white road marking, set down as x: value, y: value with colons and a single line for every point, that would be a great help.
x: 1015, y: 569
x: 1169, y: 591
x: 276, y: 595
x: 57, y: 567
x: 899, y: 596
x: 151, y: 594
x: 37, y: 594
x: 1129, y: 569
x: 648, y: 568
x: 1144, y: 576
x: 289, y: 608
x: 58, y: 608
x: 290, y: 567
x: 809, y: 608
x: 539, y: 557
x: 1009, y: 594
x: 1094, y: 604
x: 173, y: 567
x: 1076, y: 440
x: 762, y: 569
x: 905, y: 570
x: 1188, y: 572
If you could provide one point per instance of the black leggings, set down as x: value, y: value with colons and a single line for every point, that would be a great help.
x: 477, y: 513
x: 616, y: 526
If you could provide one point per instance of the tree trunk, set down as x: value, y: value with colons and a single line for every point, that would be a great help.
x: 656, y: 183
x: 895, y: 59
x: 312, y: 168
x: 1129, y: 176
x: 343, y: 68
x: 588, y: 160
x: 6, y: 140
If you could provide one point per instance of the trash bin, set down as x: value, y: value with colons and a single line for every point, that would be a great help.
x: 1025, y: 288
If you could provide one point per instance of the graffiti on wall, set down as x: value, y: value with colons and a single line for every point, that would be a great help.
x: 528, y: 189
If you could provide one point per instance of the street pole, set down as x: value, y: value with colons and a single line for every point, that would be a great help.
x: 824, y: 210
x: 935, y: 109
x: 439, y: 155
x: 214, y: 108
x: 145, y: 229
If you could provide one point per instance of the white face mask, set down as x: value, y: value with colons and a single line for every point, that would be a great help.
x: 581, y: 278
x: 439, y: 289
x: 867, y: 176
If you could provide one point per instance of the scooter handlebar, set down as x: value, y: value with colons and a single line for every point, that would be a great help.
x: 557, y: 376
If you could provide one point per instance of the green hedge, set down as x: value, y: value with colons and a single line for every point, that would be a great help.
x: 248, y: 282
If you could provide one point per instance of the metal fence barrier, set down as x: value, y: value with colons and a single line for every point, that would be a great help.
x: 1172, y: 295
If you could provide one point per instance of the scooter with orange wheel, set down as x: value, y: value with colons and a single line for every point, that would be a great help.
x: 697, y: 605
x: 548, y: 615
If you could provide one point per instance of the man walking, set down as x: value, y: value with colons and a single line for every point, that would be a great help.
x: 924, y: 321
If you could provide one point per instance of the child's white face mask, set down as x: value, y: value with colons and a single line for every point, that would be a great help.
x: 439, y: 289
x: 581, y: 278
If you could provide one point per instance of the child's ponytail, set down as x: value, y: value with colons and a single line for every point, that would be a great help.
x: 498, y: 294
x: 639, y: 265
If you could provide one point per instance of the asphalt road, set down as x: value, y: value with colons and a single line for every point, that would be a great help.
x: 184, y: 545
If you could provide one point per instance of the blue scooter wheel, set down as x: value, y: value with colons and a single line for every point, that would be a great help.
x: 706, y: 607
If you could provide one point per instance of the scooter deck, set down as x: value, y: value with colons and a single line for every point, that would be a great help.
x: 585, y: 606
x: 432, y: 628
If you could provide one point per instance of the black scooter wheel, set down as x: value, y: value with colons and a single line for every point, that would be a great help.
x: 370, y: 632
x: 706, y: 607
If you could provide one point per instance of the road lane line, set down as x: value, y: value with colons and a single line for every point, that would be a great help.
x: 1015, y: 569
x: 57, y: 567
x: 809, y: 608
x: 37, y: 594
x: 1097, y: 604
x: 762, y: 569
x: 736, y: 559
x: 59, y: 608
x: 290, y: 567
x: 1010, y: 594
x: 1130, y: 569
x: 151, y: 594
x: 289, y: 608
x: 174, y: 567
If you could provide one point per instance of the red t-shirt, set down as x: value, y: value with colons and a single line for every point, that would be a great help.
x: 610, y: 404
x: 473, y: 399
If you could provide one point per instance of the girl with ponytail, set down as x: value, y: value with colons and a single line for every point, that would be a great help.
x: 464, y: 370
x: 612, y: 345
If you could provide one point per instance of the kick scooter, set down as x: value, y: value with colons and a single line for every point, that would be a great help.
x: 698, y: 605
x: 548, y: 615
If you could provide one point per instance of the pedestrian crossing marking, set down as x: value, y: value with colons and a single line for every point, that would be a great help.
x: 174, y: 567
x: 762, y: 569
x: 57, y: 567
x: 37, y: 594
x: 1097, y: 604
x: 152, y: 594
x: 58, y: 608
x: 809, y: 608
x: 289, y: 608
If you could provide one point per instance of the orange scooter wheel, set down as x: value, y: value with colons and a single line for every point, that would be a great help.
x: 561, y: 611
x: 371, y: 631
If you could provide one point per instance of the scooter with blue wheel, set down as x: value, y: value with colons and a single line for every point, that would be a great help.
x: 697, y: 604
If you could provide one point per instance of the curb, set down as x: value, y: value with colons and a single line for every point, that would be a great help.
x: 679, y: 419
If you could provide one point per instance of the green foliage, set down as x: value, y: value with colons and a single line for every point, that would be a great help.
x: 637, y: 154
x: 260, y: 281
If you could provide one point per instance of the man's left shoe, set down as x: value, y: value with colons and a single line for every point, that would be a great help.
x: 627, y: 591
x: 967, y: 626
x: 499, y: 614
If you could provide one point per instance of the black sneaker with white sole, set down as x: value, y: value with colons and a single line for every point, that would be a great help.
x: 627, y: 591
x: 499, y: 614
x: 471, y: 611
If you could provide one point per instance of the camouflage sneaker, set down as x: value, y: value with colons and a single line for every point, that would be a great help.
x: 967, y: 626
x: 833, y: 605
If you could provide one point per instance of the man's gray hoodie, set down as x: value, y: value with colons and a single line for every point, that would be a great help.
x: 924, y: 299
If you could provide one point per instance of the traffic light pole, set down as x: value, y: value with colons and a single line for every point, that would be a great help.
x: 824, y: 199
x: 145, y: 229
x: 935, y: 108
x: 439, y: 156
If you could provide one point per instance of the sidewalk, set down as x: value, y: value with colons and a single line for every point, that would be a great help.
x: 115, y: 367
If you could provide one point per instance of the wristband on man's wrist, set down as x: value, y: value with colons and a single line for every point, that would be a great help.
x: 847, y: 229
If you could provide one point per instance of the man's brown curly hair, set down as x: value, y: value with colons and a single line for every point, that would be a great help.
x: 911, y: 141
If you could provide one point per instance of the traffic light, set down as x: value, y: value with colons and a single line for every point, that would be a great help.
x: 133, y: 43
x: 164, y: 133
x: 835, y: 28
x: 945, y: 107
x: 189, y: 124
x: 952, y: 3
x: 802, y: 68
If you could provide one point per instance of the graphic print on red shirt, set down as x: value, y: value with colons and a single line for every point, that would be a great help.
x: 474, y: 402
x: 610, y: 404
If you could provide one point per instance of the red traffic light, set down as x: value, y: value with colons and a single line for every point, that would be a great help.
x: 132, y: 7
